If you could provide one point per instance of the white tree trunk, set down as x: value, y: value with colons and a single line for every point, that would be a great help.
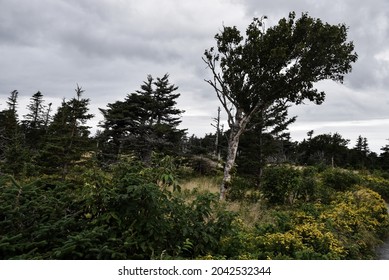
x: 233, y: 144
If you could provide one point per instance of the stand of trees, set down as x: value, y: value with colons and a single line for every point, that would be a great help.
x: 146, y: 122
x: 261, y: 76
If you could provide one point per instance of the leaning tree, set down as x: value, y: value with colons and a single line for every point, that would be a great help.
x: 280, y: 65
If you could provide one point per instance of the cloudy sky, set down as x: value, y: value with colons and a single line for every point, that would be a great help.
x: 110, y: 46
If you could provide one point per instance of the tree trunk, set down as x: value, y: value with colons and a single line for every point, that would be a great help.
x: 233, y: 144
x: 260, y: 159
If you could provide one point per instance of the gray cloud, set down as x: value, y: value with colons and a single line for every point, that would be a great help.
x: 109, y: 47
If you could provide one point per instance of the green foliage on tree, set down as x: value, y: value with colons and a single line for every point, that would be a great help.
x: 67, y: 138
x: 384, y: 158
x: 13, y: 153
x: 36, y: 112
x: 251, y: 74
x: 33, y: 129
x: 57, y: 202
x: 145, y: 121
x: 327, y: 149
x: 35, y: 121
x: 361, y: 157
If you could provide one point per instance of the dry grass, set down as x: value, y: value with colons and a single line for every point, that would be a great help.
x: 248, y: 212
x: 202, y: 184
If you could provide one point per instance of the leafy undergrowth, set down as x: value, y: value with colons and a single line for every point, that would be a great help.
x: 347, y: 228
x: 301, y: 213
x: 132, y: 211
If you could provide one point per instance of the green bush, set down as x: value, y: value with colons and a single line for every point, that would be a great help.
x: 358, y: 219
x: 281, y: 184
x: 137, y: 212
x: 35, y: 217
x: 377, y: 184
x: 349, y: 227
x: 123, y: 215
x: 339, y: 180
x: 243, y: 189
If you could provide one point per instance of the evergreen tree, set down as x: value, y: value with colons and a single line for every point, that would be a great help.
x: 35, y: 116
x: 47, y: 117
x: 264, y: 140
x: 13, y: 101
x: 166, y: 116
x: 34, y: 121
x: 328, y: 149
x: 204, y: 145
x: 13, y: 153
x: 145, y: 121
x: 67, y: 137
x: 360, y: 154
x: 384, y: 158
x: 10, y: 120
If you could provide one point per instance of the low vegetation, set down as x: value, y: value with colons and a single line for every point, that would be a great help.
x: 165, y: 211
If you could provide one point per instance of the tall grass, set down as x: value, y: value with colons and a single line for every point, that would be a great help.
x: 249, y: 213
x: 202, y: 184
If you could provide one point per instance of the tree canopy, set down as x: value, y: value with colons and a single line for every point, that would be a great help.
x: 146, y: 121
x: 281, y: 64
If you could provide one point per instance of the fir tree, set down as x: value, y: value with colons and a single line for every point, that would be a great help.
x: 384, y: 158
x: 144, y: 122
x: 33, y: 123
x: 13, y: 153
x: 35, y: 117
x: 67, y: 136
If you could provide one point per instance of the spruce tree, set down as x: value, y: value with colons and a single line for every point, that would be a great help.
x: 360, y: 154
x: 33, y: 123
x: 327, y: 149
x: 67, y: 136
x: 264, y: 141
x: 35, y: 116
x: 13, y: 153
x: 384, y: 158
x: 144, y: 122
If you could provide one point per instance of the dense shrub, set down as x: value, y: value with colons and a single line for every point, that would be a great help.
x: 309, y: 184
x: 340, y: 180
x: 281, y: 184
x: 123, y: 215
x: 377, y: 184
x: 134, y: 211
x: 36, y: 217
x: 243, y: 189
x: 359, y: 219
x: 286, y: 185
x: 350, y: 227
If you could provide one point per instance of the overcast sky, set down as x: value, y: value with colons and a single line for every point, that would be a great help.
x: 110, y: 46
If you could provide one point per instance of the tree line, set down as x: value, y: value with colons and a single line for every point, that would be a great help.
x: 43, y: 142
x: 146, y: 121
